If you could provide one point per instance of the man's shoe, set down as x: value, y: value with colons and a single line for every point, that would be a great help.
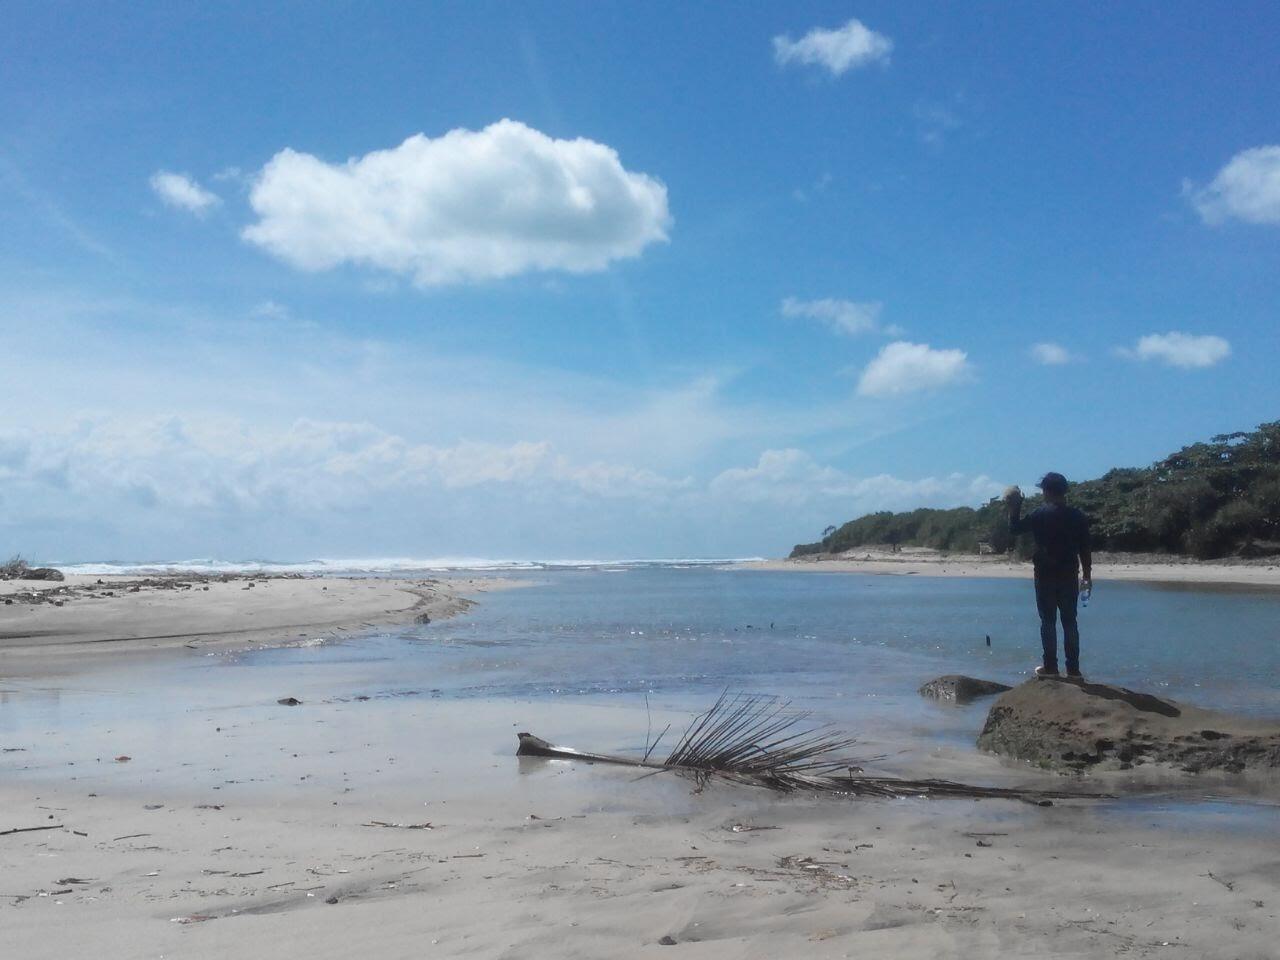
x: 1046, y: 672
x: 1075, y: 675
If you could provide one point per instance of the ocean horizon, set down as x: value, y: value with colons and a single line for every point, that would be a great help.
x: 366, y: 565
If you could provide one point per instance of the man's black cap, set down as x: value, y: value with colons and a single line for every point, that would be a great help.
x: 1053, y: 483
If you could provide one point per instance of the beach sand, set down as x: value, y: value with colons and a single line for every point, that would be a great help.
x: 272, y: 841
x: 911, y: 561
x: 50, y: 625
x: 188, y: 822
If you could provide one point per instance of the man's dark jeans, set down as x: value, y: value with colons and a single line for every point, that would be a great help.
x: 1057, y: 596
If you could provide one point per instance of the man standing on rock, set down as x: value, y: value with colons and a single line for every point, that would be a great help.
x: 1061, y: 556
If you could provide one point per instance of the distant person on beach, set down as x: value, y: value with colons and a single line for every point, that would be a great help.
x: 1061, y: 556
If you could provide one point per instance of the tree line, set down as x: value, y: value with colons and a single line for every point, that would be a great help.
x: 1208, y: 500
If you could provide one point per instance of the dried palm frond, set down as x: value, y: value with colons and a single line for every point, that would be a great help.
x: 754, y: 737
x: 760, y: 740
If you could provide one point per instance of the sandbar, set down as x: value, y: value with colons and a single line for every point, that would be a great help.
x: 1144, y: 568
x: 48, y: 626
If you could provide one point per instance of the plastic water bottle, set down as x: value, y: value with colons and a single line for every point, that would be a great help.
x: 1085, y: 593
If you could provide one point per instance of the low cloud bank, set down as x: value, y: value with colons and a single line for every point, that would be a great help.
x: 189, y: 484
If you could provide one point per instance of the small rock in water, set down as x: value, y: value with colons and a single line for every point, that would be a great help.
x: 289, y: 701
x: 959, y: 689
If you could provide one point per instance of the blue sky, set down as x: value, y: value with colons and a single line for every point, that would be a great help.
x: 278, y: 281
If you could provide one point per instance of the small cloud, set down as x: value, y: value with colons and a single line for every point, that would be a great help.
x: 466, y: 206
x: 270, y: 310
x: 842, y: 316
x: 819, y: 186
x: 902, y: 367
x: 934, y: 121
x: 180, y: 191
x: 1247, y: 188
x: 1175, y: 349
x: 381, y: 286
x: 1051, y: 354
x: 837, y: 51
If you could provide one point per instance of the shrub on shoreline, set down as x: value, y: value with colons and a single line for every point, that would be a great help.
x: 1208, y: 500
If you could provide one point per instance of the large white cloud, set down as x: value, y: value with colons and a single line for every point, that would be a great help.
x: 469, y: 205
x: 1247, y: 188
x: 1176, y: 349
x: 842, y: 316
x: 902, y: 367
x: 180, y: 191
x: 837, y: 51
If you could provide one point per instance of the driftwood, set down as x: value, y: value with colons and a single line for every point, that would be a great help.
x: 749, y: 739
x: 52, y: 826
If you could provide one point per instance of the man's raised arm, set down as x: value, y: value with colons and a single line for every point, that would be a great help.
x: 1086, y: 551
x: 1013, y: 500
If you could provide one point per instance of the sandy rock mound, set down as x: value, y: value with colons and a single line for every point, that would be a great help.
x: 1073, y: 724
x: 955, y: 688
x: 43, y: 573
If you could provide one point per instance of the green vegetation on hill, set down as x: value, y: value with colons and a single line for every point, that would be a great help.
x: 1215, y: 499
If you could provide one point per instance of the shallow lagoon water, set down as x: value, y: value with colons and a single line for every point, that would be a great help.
x: 854, y: 649
x: 825, y: 637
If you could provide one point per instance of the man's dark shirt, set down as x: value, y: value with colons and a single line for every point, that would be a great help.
x: 1062, y: 539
